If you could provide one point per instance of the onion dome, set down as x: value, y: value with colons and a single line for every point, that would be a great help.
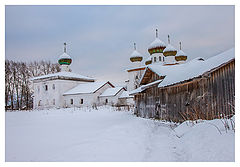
x: 181, y: 56
x: 136, y: 56
x: 157, y: 46
x: 148, y: 60
x: 169, y: 50
x: 64, y: 58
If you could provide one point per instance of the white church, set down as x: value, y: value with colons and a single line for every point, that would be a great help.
x: 68, y: 89
x: 160, y: 54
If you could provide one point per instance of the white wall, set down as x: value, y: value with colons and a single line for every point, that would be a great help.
x: 88, y: 99
x: 156, y: 56
x: 112, y: 100
x: 47, y: 97
x: 131, y: 85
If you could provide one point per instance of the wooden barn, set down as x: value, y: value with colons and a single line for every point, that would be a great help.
x: 198, y: 89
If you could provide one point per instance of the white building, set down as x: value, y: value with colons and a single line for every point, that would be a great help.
x: 86, y: 94
x: 111, y: 96
x: 68, y: 89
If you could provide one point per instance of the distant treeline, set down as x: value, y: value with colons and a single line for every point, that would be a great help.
x: 18, y: 87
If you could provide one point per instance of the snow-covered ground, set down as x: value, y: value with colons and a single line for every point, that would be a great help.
x: 109, y: 135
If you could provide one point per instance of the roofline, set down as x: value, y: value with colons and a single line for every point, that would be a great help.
x: 62, y: 78
x: 104, y: 85
x: 115, y: 93
x: 136, y: 69
x: 200, y: 76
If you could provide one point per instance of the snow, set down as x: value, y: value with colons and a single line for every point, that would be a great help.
x: 63, y: 74
x: 169, y: 48
x: 181, y: 53
x: 111, y: 91
x: 136, y: 54
x: 148, y: 58
x: 194, y: 68
x: 105, y: 134
x: 157, y: 43
x: 64, y: 56
x: 85, y: 88
x: 125, y: 94
x: 143, y: 87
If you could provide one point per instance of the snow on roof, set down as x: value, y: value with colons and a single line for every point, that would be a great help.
x: 125, y: 94
x: 137, y: 68
x: 181, y: 53
x: 157, y: 43
x: 143, y: 87
x: 136, y: 54
x: 169, y: 48
x: 191, y: 69
x: 64, y: 56
x: 111, y: 91
x: 86, y: 88
x: 64, y: 75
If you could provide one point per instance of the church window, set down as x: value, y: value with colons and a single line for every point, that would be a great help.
x: 81, y: 101
x: 106, y: 101
x: 53, y: 86
x: 155, y: 59
x: 163, y: 58
x: 46, y: 87
x: 71, y: 101
x: 39, y: 103
x: 160, y: 58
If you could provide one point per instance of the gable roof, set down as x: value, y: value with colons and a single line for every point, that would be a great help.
x: 189, y: 70
x: 111, y: 91
x: 87, y: 88
x: 64, y: 75
x: 125, y: 94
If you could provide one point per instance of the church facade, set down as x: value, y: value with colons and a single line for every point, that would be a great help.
x: 68, y: 89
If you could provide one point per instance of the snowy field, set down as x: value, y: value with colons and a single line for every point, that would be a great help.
x: 109, y: 135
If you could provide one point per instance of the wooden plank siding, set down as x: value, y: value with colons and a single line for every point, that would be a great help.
x: 209, y: 96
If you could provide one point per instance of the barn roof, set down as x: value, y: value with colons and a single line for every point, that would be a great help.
x: 87, y: 88
x: 64, y: 75
x: 189, y: 70
x: 125, y: 94
x: 111, y: 91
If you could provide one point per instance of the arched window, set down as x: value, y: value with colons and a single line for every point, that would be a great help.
x: 106, y: 101
x: 160, y: 58
x: 71, y: 101
x: 39, y: 103
x: 46, y: 87
x: 81, y: 101
x: 155, y: 59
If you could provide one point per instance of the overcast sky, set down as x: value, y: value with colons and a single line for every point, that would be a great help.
x: 100, y: 38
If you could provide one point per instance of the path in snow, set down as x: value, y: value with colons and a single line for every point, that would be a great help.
x: 108, y: 135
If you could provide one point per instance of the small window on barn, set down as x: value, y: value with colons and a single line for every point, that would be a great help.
x: 46, y: 87
x: 81, y: 101
x: 53, y: 86
x: 155, y: 59
x: 106, y: 101
x: 71, y: 101
x: 160, y: 58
